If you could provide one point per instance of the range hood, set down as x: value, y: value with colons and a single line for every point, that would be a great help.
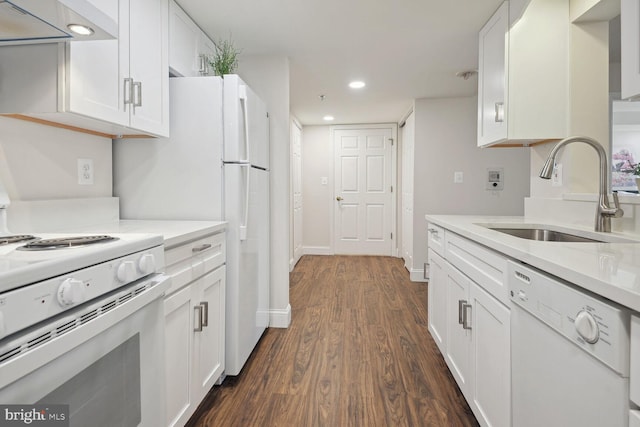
x: 43, y: 21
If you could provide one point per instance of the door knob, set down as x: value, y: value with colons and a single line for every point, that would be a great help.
x: 339, y: 199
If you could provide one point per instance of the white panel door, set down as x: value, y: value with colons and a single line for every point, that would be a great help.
x: 363, y: 191
x: 296, y: 190
x: 408, y: 135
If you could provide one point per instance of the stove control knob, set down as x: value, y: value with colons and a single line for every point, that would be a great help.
x: 126, y: 272
x: 71, y: 292
x: 587, y: 327
x: 147, y: 264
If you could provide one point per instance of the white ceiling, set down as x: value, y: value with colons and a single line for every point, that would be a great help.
x: 402, y: 49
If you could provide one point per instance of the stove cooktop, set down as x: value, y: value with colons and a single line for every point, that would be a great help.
x: 20, y: 267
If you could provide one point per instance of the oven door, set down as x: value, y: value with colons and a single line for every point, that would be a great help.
x: 108, y: 368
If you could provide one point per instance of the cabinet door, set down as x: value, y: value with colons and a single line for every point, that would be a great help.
x: 437, y: 300
x: 492, y: 72
x: 97, y: 71
x: 630, y: 48
x: 458, y: 339
x: 491, y: 359
x: 149, y: 65
x: 178, y: 312
x: 183, y: 43
x: 209, y: 343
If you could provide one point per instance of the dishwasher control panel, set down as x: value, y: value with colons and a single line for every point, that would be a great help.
x: 598, y: 326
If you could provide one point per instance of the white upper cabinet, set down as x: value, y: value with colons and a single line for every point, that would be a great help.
x: 112, y: 87
x: 630, y: 48
x: 188, y: 45
x: 523, y: 73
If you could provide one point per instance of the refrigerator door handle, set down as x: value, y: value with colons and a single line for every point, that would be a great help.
x: 245, y: 215
x: 245, y: 114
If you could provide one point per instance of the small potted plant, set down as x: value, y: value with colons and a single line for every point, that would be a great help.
x: 636, y: 174
x: 225, y: 60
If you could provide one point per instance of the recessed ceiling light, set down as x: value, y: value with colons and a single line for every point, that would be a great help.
x: 328, y: 118
x: 356, y: 85
x: 80, y: 29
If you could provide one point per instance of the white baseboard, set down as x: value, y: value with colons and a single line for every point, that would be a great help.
x: 418, y: 275
x: 317, y: 250
x: 280, y: 318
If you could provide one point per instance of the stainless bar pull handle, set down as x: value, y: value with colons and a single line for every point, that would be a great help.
x: 203, y: 64
x: 205, y: 315
x: 201, y: 248
x: 198, y: 318
x: 126, y: 96
x: 137, y: 94
x: 465, y: 316
x: 461, y: 304
x: 499, y: 106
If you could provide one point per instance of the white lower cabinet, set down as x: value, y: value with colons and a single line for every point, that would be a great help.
x: 194, y: 325
x: 476, y: 344
x: 437, y: 295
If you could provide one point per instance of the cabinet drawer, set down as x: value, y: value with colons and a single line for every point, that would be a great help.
x: 187, y: 262
x: 210, y: 247
x: 435, y: 238
x: 484, y: 266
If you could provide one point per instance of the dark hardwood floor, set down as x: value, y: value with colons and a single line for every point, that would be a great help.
x: 357, y: 353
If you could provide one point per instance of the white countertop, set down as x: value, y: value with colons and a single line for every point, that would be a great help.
x: 611, y: 270
x: 174, y: 232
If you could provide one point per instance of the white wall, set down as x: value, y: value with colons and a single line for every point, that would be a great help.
x: 445, y: 142
x: 317, y: 163
x: 269, y: 78
x: 39, y: 162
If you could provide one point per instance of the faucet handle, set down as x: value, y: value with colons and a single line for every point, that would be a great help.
x: 616, y: 203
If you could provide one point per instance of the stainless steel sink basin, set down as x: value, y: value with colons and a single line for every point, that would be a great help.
x: 543, y: 235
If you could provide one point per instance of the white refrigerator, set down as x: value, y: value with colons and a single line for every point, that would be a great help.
x: 214, y: 166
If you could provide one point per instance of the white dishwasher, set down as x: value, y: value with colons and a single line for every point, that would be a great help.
x: 569, y: 354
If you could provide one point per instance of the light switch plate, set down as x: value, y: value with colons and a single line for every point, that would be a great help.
x: 458, y: 177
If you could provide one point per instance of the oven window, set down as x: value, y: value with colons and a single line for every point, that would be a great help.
x: 106, y: 393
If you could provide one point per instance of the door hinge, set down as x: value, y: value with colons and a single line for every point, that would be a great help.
x: 391, y: 141
x: 392, y: 188
x: 391, y: 236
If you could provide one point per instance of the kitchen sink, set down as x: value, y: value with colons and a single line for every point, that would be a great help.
x: 543, y: 235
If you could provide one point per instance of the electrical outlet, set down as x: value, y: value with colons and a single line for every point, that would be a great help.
x: 556, y: 176
x: 324, y: 180
x: 457, y: 177
x: 85, y: 171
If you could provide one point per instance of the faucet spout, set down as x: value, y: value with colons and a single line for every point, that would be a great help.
x: 604, y: 211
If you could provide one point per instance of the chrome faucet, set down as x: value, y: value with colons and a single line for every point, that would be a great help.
x: 604, y: 211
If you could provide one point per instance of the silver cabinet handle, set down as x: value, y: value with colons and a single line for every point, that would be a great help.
x: 198, y: 318
x: 465, y: 316
x: 127, y: 91
x: 433, y: 231
x: 499, y: 112
x: 203, y: 64
x: 201, y: 248
x: 137, y: 94
x: 205, y: 310
x: 461, y: 304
